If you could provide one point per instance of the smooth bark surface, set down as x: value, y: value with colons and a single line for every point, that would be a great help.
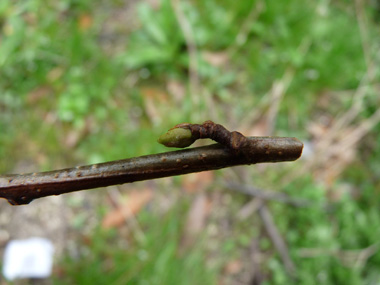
x: 23, y: 188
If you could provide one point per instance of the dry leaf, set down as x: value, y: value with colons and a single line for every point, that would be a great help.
x: 135, y: 201
x: 37, y: 94
x: 74, y: 136
x: 153, y: 99
x: 85, y: 22
x: 216, y: 59
x: 177, y: 89
x: 233, y: 267
x: 260, y: 128
x: 55, y: 74
x: 196, y: 219
x: 197, y: 182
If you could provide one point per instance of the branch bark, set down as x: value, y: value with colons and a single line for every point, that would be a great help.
x: 21, y: 189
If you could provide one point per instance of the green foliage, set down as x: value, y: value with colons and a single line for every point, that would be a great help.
x: 154, y: 258
x: 59, y: 81
x: 159, y: 41
x: 336, y: 237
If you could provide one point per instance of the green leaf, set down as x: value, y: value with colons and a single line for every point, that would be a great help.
x: 142, y: 55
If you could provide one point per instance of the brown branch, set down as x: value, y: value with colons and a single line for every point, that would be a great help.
x: 23, y: 188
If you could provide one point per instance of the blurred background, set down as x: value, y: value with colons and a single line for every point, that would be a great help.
x: 92, y: 81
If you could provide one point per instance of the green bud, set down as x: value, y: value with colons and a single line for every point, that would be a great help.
x: 177, y: 137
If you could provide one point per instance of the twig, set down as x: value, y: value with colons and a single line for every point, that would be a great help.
x: 276, y: 238
x: 280, y: 87
x: 277, y: 93
x: 365, y: 38
x: 23, y: 188
x: 356, y: 258
x: 191, y: 49
x: 246, y: 26
x: 269, y: 195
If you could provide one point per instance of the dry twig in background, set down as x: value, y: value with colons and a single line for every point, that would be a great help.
x: 276, y: 238
x: 270, y: 195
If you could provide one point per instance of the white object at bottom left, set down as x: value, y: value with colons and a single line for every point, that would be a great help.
x: 29, y: 258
